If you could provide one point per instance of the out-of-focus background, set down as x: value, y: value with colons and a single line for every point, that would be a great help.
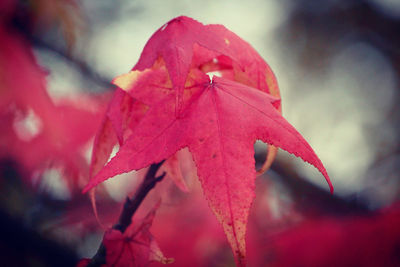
x: 337, y: 63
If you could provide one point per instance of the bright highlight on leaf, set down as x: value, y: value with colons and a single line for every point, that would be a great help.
x: 168, y: 102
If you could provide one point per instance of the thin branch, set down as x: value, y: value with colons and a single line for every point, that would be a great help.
x: 130, y: 207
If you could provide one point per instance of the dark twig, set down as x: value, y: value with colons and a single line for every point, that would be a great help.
x: 130, y: 207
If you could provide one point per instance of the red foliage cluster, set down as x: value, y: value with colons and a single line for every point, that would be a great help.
x: 38, y: 132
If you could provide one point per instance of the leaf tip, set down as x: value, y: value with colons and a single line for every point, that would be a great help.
x: 328, y: 180
x: 126, y: 81
x: 331, y: 189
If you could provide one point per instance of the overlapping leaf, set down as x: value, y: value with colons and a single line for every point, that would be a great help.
x: 184, y: 42
x: 134, y: 248
x: 175, y: 42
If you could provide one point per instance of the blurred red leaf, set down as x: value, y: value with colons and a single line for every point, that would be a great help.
x: 186, y: 228
x: 83, y: 263
x: 367, y: 241
x: 41, y: 133
x: 135, y: 247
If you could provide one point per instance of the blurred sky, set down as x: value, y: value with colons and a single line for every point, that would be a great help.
x: 337, y: 93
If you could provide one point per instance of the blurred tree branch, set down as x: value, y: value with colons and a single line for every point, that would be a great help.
x: 22, y: 23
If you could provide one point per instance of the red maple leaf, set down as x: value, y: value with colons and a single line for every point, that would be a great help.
x: 135, y: 247
x: 219, y: 122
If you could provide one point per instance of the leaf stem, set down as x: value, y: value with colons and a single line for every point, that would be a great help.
x: 130, y: 207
